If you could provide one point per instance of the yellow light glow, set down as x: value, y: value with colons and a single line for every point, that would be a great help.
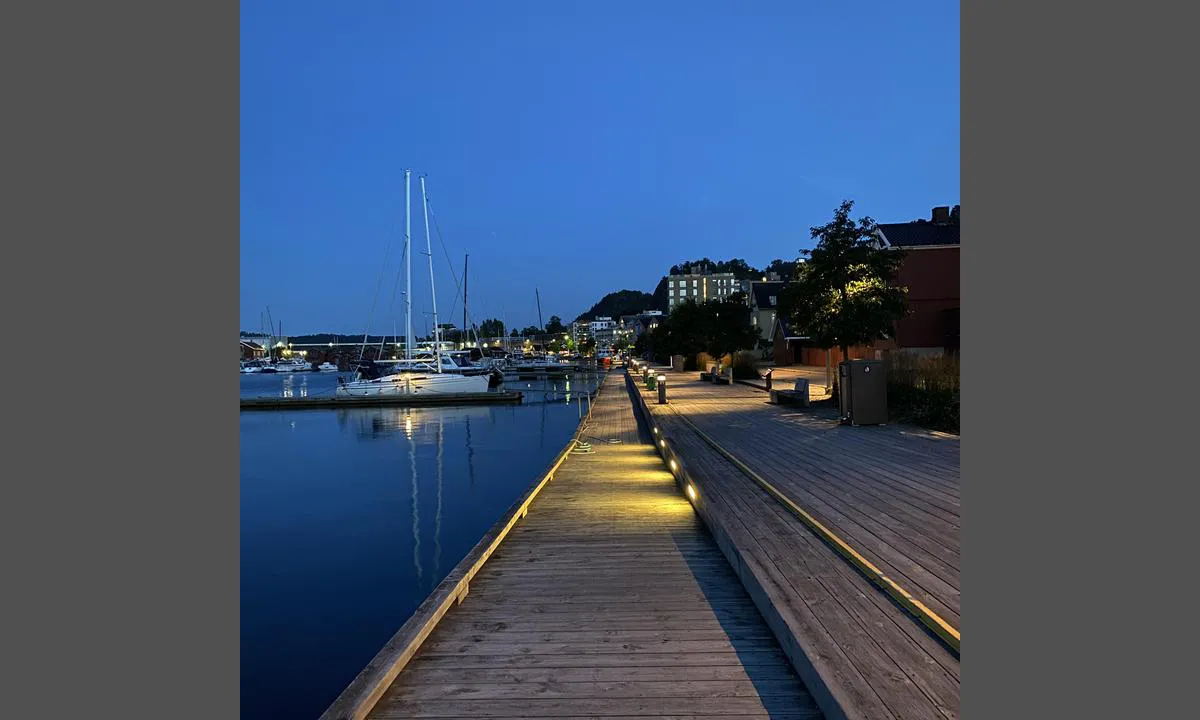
x: 674, y: 465
x: 662, y: 443
x: 691, y: 492
x: 655, y: 431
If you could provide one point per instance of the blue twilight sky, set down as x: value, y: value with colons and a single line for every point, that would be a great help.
x: 574, y: 147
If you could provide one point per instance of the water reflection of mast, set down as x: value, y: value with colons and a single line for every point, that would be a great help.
x: 542, y: 435
x: 437, y: 518
x: 412, y: 461
x: 470, y: 456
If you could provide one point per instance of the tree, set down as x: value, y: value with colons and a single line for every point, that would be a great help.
x: 515, y: 333
x: 555, y: 326
x: 491, y: 328
x: 727, y: 326
x: 845, y: 294
x: 531, y: 331
x: 786, y: 269
x: 739, y: 267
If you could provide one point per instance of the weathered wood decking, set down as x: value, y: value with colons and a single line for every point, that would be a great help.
x: 609, y: 599
x: 890, y: 492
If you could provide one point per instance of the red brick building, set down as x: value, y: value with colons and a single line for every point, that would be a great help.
x: 930, y: 272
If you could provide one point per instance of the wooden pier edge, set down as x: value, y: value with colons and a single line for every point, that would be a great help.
x: 364, y: 692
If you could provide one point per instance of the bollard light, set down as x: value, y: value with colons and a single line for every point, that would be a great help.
x: 662, y: 389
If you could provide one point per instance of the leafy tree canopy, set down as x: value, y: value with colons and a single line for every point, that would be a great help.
x: 739, y: 267
x: 717, y: 327
x: 844, y: 294
x: 492, y: 327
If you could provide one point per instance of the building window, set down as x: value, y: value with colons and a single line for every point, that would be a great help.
x: 772, y: 299
x: 694, y: 283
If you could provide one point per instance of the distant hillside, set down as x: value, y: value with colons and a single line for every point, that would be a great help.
x: 616, y: 304
x: 660, y: 296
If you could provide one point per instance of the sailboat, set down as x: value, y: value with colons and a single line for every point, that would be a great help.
x: 371, y: 380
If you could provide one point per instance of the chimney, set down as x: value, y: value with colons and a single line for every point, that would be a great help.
x: 954, y: 215
x: 941, y: 214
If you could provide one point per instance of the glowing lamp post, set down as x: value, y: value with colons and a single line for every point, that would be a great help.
x: 662, y: 389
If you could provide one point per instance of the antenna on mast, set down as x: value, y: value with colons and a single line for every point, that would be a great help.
x: 466, y: 330
x: 408, y: 333
x: 437, y: 339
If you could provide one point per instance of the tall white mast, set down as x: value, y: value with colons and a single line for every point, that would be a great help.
x: 408, y: 334
x: 437, y: 339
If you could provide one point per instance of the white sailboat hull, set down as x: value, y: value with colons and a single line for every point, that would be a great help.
x: 415, y: 384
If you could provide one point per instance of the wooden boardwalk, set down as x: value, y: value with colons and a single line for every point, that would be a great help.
x: 891, y: 493
x: 609, y: 599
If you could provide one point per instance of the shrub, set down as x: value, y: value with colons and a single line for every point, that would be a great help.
x: 924, y: 391
x: 744, y: 367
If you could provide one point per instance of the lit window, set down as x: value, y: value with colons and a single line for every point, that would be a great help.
x: 694, y: 283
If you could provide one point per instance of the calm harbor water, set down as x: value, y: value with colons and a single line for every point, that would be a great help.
x: 349, y: 518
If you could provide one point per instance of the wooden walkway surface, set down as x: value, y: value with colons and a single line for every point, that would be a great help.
x: 609, y: 599
x: 891, y: 492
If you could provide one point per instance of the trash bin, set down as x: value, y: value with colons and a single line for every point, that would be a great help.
x: 863, y: 392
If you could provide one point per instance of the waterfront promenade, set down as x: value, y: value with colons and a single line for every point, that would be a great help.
x: 600, y: 594
x: 848, y: 538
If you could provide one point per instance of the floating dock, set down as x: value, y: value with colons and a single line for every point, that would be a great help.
x: 504, y: 397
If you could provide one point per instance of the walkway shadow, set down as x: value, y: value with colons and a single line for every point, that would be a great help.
x: 780, y: 690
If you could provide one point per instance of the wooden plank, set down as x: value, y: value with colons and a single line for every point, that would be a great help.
x: 608, y: 690
x: 748, y: 660
x: 590, y: 707
x: 673, y: 673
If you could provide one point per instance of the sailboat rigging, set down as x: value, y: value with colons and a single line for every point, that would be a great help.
x: 413, y: 376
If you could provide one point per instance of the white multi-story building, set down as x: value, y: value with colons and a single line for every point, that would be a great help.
x: 603, y: 331
x: 700, y: 288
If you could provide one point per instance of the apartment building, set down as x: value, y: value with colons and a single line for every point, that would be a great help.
x: 700, y: 288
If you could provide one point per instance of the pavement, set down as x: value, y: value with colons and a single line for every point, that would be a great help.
x: 784, y: 378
